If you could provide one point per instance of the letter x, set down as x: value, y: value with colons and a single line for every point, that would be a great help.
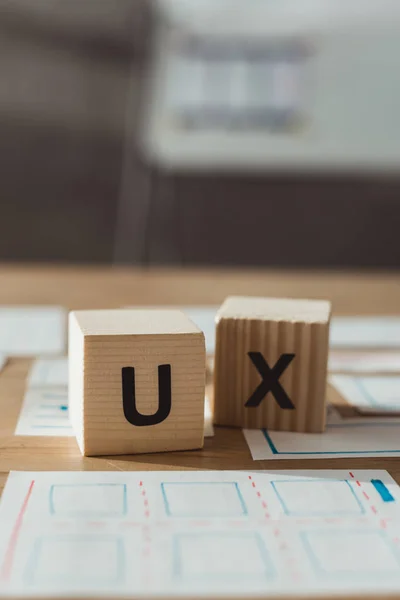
x: 270, y: 381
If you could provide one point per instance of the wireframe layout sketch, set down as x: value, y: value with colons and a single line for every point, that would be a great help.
x: 203, y: 533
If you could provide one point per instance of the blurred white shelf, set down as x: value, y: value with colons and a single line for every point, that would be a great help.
x: 294, y: 84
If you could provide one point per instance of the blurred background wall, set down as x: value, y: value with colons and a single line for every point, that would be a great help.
x: 75, y: 187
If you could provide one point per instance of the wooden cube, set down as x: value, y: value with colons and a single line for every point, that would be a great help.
x: 271, y: 363
x: 136, y: 381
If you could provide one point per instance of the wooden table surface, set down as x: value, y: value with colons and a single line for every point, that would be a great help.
x: 73, y: 287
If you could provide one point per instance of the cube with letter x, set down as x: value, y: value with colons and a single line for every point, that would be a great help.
x: 271, y: 363
x: 136, y: 381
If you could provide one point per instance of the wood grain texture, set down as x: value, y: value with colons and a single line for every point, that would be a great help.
x: 104, y: 342
x: 272, y: 327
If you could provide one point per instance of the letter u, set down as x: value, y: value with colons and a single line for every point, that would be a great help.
x: 129, y: 397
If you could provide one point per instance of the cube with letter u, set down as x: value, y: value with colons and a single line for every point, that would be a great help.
x: 271, y: 363
x: 136, y: 381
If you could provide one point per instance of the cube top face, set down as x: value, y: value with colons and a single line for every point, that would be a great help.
x: 133, y: 322
x: 275, y: 309
x: 138, y: 388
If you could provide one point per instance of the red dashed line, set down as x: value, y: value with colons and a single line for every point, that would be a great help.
x: 12, y: 544
x: 373, y: 508
x: 259, y: 495
x: 383, y: 523
x: 291, y: 561
x: 145, y: 500
x: 146, y: 532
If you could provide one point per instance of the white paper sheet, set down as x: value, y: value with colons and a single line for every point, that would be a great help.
x: 49, y: 372
x: 365, y: 332
x: 33, y: 330
x: 45, y: 412
x: 203, y: 533
x: 341, y: 361
x: 340, y: 440
x: 363, y: 417
x: 372, y: 394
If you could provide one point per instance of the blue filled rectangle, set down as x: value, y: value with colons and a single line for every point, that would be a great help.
x: 382, y: 490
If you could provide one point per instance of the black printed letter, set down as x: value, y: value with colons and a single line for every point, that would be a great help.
x: 129, y: 397
x: 270, y: 380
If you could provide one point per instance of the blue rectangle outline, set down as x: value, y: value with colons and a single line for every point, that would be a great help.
x: 88, y: 514
x: 29, y: 572
x: 310, y: 514
x: 274, y: 450
x: 270, y: 570
x: 168, y: 509
x: 304, y: 535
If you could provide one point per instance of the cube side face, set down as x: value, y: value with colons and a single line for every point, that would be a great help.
x: 292, y: 397
x: 76, y: 378
x: 107, y: 429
